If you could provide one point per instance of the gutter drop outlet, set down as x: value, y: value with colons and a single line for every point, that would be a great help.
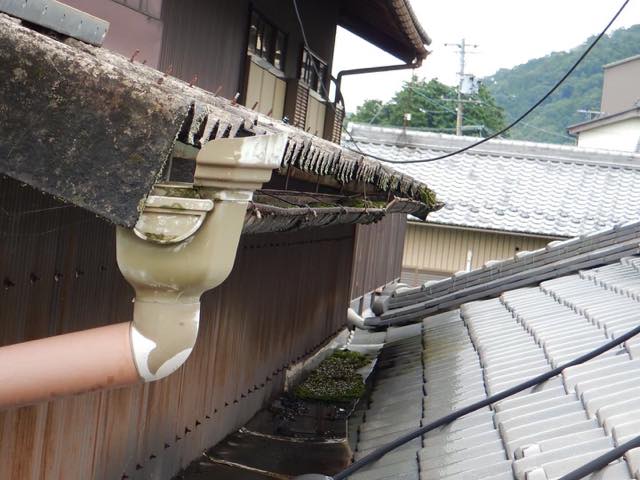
x: 181, y: 247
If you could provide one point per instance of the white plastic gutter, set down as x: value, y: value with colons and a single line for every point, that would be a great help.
x: 180, y: 248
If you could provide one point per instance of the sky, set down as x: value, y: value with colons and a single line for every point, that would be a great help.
x: 507, y: 32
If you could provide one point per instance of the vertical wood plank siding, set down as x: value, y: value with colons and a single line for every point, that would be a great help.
x: 286, y: 295
x: 209, y: 37
x: 377, y: 257
x: 441, y: 251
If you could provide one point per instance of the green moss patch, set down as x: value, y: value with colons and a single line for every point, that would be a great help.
x: 335, y: 379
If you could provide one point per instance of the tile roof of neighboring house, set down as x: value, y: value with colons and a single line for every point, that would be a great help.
x: 452, y: 359
x: 515, y: 186
x: 95, y: 129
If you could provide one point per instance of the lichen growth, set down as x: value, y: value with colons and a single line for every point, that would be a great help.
x: 362, y: 203
x: 157, y: 237
x: 427, y: 196
x: 335, y: 379
x: 181, y: 192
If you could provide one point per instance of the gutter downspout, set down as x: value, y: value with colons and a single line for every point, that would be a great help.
x: 417, y: 63
x: 180, y: 248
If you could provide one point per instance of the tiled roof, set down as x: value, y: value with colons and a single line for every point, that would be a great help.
x: 99, y: 128
x: 525, y: 268
x: 515, y: 186
x: 450, y: 360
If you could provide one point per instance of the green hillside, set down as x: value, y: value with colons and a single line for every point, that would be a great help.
x: 517, y: 88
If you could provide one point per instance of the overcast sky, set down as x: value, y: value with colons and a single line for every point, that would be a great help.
x: 508, y: 33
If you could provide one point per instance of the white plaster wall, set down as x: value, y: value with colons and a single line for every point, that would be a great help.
x: 623, y: 136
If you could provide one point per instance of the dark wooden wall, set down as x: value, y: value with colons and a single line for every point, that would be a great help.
x: 209, y: 37
x: 377, y: 257
x: 286, y: 295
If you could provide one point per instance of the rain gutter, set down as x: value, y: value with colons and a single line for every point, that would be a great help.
x: 183, y: 244
x: 417, y: 63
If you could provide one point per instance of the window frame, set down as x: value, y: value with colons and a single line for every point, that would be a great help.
x: 267, y: 50
x: 307, y: 73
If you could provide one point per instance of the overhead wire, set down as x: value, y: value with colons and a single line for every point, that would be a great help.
x: 585, y: 469
x: 602, y: 461
x: 381, y: 451
x: 505, y: 129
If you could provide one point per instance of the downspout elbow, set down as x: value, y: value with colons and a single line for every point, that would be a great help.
x: 170, y: 278
x: 180, y: 248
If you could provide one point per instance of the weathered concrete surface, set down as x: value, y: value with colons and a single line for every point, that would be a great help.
x: 79, y: 128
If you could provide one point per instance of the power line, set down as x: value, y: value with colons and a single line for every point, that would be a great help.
x: 462, y: 50
x: 513, y: 123
x: 379, y: 452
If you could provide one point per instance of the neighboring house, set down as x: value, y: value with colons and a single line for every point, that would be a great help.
x: 503, y: 197
x: 500, y: 326
x: 121, y: 182
x: 617, y: 126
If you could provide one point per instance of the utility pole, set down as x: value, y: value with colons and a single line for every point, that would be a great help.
x: 462, y: 50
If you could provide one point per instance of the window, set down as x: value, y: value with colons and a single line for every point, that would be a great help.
x: 266, y: 41
x: 313, y: 71
x: 150, y: 8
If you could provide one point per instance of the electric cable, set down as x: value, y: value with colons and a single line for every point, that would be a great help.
x: 602, y: 461
x: 383, y: 450
x: 490, y: 137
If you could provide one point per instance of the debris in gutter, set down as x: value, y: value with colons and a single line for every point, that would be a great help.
x: 335, y: 380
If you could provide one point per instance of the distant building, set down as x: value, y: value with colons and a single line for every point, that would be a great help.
x: 618, y: 125
x: 502, y: 197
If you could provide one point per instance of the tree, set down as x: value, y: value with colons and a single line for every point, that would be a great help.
x: 432, y: 106
x: 518, y: 88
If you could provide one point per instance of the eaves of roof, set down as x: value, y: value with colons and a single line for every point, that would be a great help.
x: 604, y: 120
x: 389, y: 24
x: 94, y: 129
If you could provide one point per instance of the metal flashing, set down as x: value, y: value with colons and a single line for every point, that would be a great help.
x: 59, y: 17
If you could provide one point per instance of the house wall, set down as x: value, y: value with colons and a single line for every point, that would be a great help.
x: 623, y: 135
x: 620, y: 86
x: 432, y: 252
x: 209, y: 37
x: 287, y: 294
x: 129, y: 30
x: 377, y: 257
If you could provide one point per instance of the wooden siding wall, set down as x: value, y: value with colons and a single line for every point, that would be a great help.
x: 441, y: 251
x: 266, y: 90
x: 209, y: 37
x: 377, y: 257
x: 286, y: 295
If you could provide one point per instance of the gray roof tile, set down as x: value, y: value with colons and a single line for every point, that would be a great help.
x: 486, y: 346
x: 545, y: 189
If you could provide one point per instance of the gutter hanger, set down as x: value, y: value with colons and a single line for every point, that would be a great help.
x: 180, y: 248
